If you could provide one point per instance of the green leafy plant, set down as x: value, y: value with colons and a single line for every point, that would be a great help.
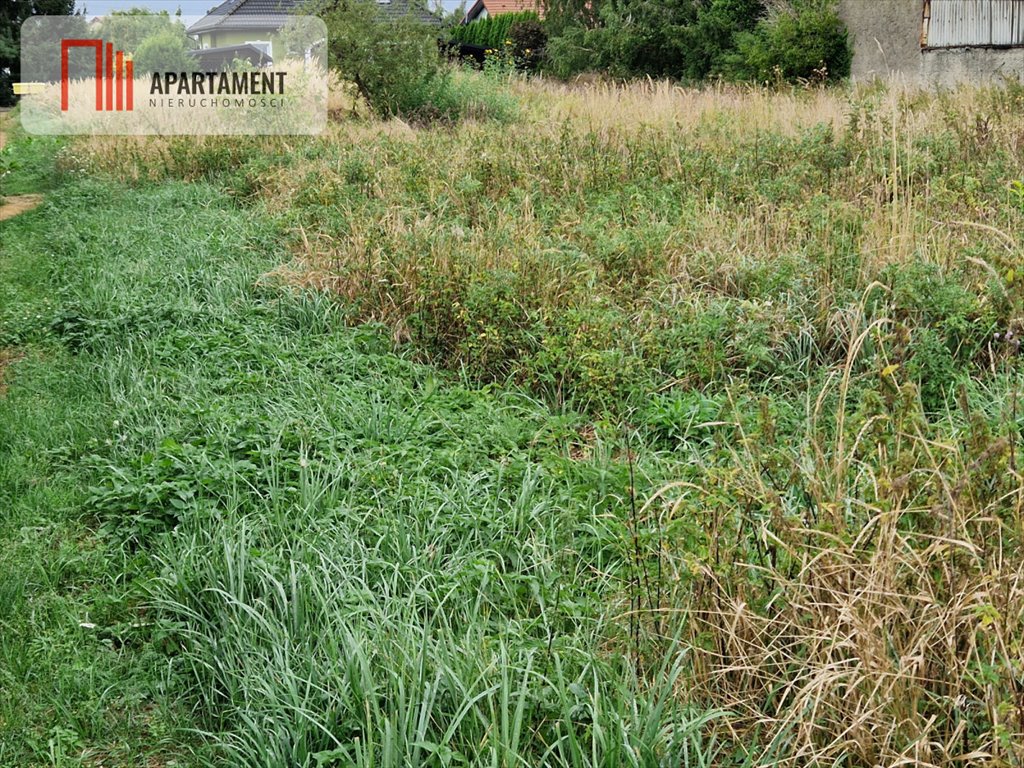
x: 806, y: 40
x: 166, y: 51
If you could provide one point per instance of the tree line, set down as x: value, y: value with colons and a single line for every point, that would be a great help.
x: 693, y: 40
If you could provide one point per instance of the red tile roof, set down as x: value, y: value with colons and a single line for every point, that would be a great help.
x: 495, y: 7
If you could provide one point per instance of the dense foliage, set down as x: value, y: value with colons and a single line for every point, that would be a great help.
x: 691, y: 39
x: 809, y: 43
x: 127, y: 29
x: 395, y: 67
x: 13, y: 14
x: 493, y: 32
x: 393, y: 63
x: 156, y: 40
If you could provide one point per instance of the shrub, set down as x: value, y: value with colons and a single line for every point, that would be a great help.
x: 575, y: 51
x: 528, y: 40
x: 395, y: 66
x: 164, y: 51
x: 493, y: 31
x: 680, y: 39
x: 695, y: 40
x: 805, y: 40
x: 710, y: 38
x: 631, y: 38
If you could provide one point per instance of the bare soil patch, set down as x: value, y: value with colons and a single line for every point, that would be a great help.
x: 15, y: 204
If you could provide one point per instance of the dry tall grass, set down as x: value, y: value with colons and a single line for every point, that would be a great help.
x: 882, y: 626
x: 300, y: 110
x: 604, y: 106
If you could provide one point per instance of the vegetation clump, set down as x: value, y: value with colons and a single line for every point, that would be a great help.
x: 493, y: 31
x: 695, y: 40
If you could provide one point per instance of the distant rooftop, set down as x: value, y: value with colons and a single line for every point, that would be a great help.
x: 496, y: 7
x: 259, y: 14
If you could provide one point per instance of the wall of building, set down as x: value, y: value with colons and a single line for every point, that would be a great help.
x: 957, y: 65
x: 886, y: 36
x: 887, y: 43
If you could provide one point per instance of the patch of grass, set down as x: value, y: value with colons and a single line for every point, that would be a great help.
x: 250, y: 511
x: 27, y: 163
x: 657, y: 427
x: 80, y: 687
x: 656, y: 237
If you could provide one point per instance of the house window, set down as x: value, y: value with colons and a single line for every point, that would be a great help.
x: 263, y: 45
x: 981, y: 23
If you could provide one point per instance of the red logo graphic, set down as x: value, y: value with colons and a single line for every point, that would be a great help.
x: 118, y: 70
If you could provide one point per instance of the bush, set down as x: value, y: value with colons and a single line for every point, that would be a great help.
x: 682, y: 39
x: 493, y: 31
x: 694, y: 40
x: 631, y: 38
x: 806, y: 40
x: 711, y: 37
x: 397, y: 69
x: 528, y: 40
x: 165, y: 51
x: 573, y: 51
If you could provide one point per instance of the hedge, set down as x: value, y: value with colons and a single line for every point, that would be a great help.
x: 491, y: 32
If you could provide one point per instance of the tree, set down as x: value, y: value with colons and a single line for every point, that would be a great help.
x: 156, y: 40
x: 164, y: 51
x: 13, y: 14
x: 128, y: 29
x: 393, y: 63
x: 40, y: 60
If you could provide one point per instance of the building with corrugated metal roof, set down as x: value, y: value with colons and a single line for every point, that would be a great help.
x: 941, y: 42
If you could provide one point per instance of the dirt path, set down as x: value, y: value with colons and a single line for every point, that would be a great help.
x: 15, y: 204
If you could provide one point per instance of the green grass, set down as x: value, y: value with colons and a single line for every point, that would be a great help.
x: 293, y: 543
x: 68, y: 691
x: 614, y: 446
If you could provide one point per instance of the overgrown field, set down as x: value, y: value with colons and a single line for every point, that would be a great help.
x: 647, y: 427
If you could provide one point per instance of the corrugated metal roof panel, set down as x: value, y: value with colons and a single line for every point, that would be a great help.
x: 1007, y: 22
x: 975, y: 23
